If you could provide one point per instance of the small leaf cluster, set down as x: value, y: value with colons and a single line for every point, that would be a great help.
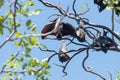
x: 22, y: 63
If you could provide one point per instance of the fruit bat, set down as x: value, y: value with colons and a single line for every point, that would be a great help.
x: 101, y: 5
x: 81, y: 34
x: 63, y: 55
x: 103, y: 42
x: 62, y: 29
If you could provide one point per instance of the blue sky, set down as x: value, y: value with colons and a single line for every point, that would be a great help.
x: 99, y: 61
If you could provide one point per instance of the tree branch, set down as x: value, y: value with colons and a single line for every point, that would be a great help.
x: 14, y: 30
x: 83, y: 65
x: 65, y: 66
x: 9, y: 62
x: 112, y: 19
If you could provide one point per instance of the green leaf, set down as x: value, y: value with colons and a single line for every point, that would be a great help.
x: 47, y: 73
x: 8, y: 73
x: 28, y: 22
x: 27, y: 52
x: 43, y: 78
x: 20, y: 59
x: 1, y: 3
x: 1, y: 29
x: 16, y: 65
x: 15, y: 24
x: 11, y: 57
x: 4, y: 77
x: 24, y: 66
x: 16, y: 44
x: 18, y: 34
x: 45, y: 64
x: 30, y: 3
x: 30, y: 71
x: 34, y: 12
x: 118, y: 8
x: 118, y: 78
x: 17, y: 79
x: 118, y: 72
x: 33, y: 41
x: 1, y: 25
x: 1, y: 18
x: 38, y: 73
x: 34, y: 62
x: 82, y: 7
x: 21, y: 42
x: 11, y: 65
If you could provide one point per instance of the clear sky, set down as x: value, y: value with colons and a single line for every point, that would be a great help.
x: 99, y: 61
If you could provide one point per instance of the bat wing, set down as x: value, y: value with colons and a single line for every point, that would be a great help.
x: 47, y: 28
x: 68, y: 29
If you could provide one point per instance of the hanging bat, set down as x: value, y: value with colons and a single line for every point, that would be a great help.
x: 63, y: 55
x: 80, y: 34
x: 101, y: 5
x: 62, y: 29
x: 103, y: 42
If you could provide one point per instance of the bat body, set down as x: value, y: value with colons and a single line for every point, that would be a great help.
x: 64, y: 29
x: 63, y: 54
x: 103, y: 43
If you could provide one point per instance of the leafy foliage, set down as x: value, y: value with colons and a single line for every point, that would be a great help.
x: 21, y: 63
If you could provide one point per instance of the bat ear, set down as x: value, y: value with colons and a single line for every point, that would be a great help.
x: 105, y: 32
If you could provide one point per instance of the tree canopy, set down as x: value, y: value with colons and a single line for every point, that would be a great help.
x: 23, y: 40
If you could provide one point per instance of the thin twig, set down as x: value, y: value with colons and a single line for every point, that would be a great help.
x: 64, y: 68
x: 47, y: 61
x: 83, y: 65
x: 110, y: 75
x: 9, y: 62
x: 13, y: 32
x: 103, y: 27
x: 73, y: 7
x: 11, y: 71
x: 112, y: 19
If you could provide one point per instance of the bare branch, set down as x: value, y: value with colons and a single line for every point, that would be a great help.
x: 73, y: 7
x: 112, y: 19
x: 53, y: 6
x: 78, y: 19
x: 88, y: 9
x: 110, y: 75
x: 103, y: 27
x: 48, y: 61
x: 83, y: 65
x: 11, y: 71
x: 64, y: 68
